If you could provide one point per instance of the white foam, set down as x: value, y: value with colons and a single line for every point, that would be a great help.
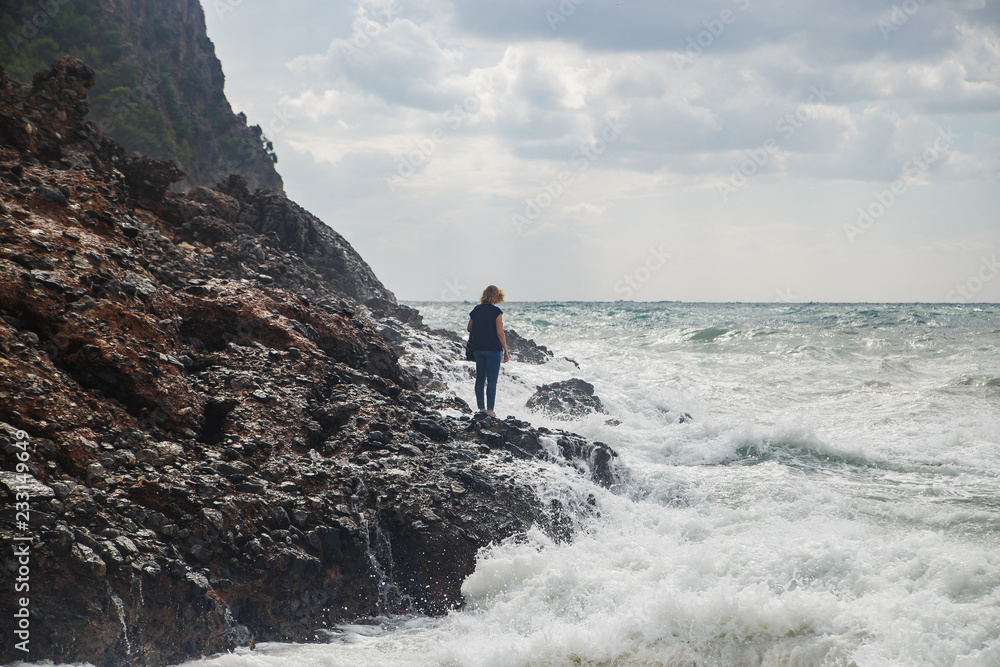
x: 833, y: 502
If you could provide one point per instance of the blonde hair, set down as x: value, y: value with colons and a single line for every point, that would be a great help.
x: 492, y: 294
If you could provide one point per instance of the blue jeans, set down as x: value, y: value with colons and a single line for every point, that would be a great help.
x: 487, y: 372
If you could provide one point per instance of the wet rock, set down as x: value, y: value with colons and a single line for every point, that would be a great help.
x: 86, y: 562
x: 567, y: 399
x: 109, y: 554
x: 526, y: 350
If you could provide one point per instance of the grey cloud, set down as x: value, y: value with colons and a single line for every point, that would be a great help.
x: 830, y: 33
x: 357, y: 175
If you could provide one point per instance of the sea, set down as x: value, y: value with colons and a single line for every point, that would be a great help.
x: 801, y: 486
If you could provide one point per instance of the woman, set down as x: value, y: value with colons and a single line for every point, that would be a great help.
x: 489, y: 345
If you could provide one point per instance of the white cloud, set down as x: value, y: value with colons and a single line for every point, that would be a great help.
x: 448, y: 116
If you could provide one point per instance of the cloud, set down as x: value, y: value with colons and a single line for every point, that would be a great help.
x: 452, y: 116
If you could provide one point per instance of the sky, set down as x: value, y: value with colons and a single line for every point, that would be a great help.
x: 721, y: 150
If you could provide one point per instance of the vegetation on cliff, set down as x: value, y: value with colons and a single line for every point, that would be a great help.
x: 159, y: 86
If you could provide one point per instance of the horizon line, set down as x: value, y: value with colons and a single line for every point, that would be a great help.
x: 748, y: 303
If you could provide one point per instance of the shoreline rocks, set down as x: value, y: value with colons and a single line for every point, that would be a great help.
x: 223, y: 446
x: 568, y: 399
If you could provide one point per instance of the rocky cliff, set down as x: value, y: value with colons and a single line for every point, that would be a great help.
x: 159, y: 84
x: 207, y: 437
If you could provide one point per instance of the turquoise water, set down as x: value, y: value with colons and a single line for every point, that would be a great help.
x: 835, y: 500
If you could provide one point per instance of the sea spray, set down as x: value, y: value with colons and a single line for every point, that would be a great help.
x: 831, y: 503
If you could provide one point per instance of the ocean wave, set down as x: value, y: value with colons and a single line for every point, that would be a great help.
x: 711, y: 334
x: 793, y: 447
x: 974, y: 382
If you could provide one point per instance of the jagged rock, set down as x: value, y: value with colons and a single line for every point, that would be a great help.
x: 568, y: 399
x: 135, y: 283
x: 320, y: 247
x: 51, y: 195
x: 526, y: 350
x: 218, y: 204
x: 432, y: 429
x: 382, y: 307
x: 86, y: 562
x: 206, y: 460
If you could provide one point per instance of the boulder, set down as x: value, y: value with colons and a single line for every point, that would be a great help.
x: 568, y: 399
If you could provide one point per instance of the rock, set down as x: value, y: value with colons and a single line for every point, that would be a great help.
x: 126, y: 546
x: 95, y: 474
x: 12, y: 483
x: 169, y: 451
x: 391, y: 335
x: 219, y: 205
x: 32, y: 263
x: 47, y: 279
x: 51, y: 195
x: 210, y: 230
x: 236, y: 471
x: 234, y: 417
x: 59, y: 541
x: 86, y: 562
x: 109, y: 554
x: 261, y: 396
x: 203, y: 555
x: 567, y: 399
x: 134, y: 283
x: 149, y: 456
x: 526, y: 350
x: 241, y: 382
x: 432, y: 429
x: 254, y: 488
x: 215, y: 522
